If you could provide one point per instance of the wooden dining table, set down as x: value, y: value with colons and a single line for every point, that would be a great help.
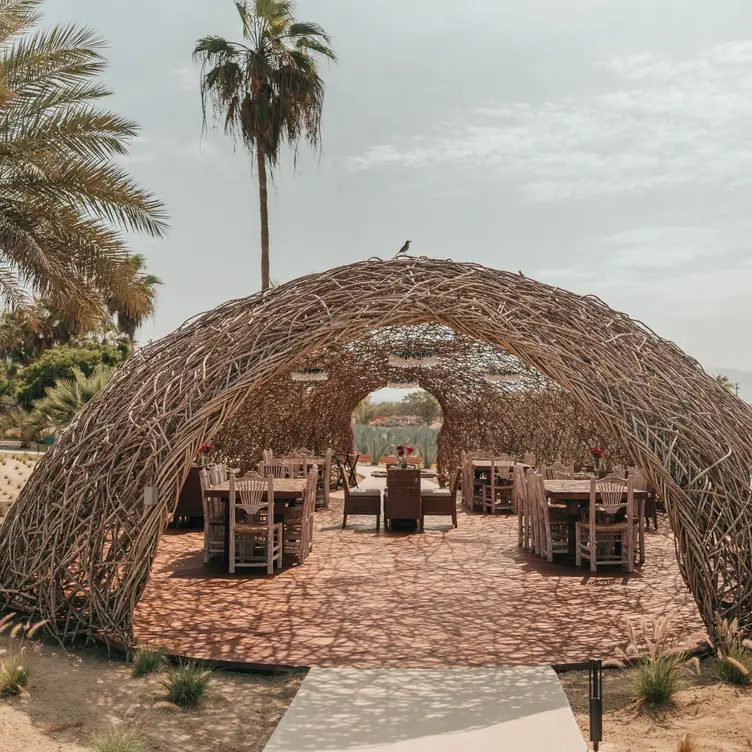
x: 286, y: 490
x: 574, y: 494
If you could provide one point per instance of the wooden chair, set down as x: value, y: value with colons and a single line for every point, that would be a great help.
x: 323, y: 487
x: 497, y: 494
x: 553, y: 522
x: 402, y: 496
x: 440, y: 501
x: 273, y: 469
x: 360, y: 500
x: 520, y: 493
x: 649, y: 502
x: 597, y: 541
x: 214, y: 520
x: 297, y: 465
x: 298, y: 530
x: 256, y: 541
x: 558, y: 471
x: 218, y: 473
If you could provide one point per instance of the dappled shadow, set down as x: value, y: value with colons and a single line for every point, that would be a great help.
x: 446, y: 597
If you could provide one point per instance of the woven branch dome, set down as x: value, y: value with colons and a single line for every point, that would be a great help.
x: 78, y: 544
x: 490, y: 401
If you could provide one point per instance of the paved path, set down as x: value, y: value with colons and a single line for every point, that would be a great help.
x: 437, y: 710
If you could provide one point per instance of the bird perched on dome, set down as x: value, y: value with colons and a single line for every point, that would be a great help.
x: 405, y: 248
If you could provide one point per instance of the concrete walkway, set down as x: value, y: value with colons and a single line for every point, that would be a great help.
x: 516, y: 709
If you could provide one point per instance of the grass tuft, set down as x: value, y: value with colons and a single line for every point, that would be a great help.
x: 686, y: 744
x: 656, y: 681
x: 733, y: 653
x: 15, y: 670
x: 147, y: 661
x: 186, y: 684
x: 118, y: 739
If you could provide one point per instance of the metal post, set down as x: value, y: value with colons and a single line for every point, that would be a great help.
x: 596, y: 703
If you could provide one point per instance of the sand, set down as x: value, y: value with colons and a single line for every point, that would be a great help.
x: 15, y: 470
x: 718, y: 717
x: 75, y: 693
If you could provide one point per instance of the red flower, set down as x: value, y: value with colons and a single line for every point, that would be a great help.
x: 206, y: 448
x: 596, y: 451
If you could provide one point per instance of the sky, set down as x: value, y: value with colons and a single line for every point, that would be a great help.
x: 598, y: 145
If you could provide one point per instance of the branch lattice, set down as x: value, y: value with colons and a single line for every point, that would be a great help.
x: 78, y: 544
x: 532, y: 414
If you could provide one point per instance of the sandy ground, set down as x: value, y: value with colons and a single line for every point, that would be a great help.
x: 75, y: 693
x: 15, y: 470
x: 717, y: 717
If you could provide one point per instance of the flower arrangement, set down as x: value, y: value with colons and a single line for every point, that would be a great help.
x: 597, y: 454
x: 204, y: 450
x: 403, y: 452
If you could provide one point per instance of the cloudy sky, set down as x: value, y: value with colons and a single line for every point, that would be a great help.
x: 600, y: 145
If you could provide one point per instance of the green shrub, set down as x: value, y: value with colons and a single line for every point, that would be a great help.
x: 656, y: 681
x: 186, y: 684
x: 147, y: 661
x: 118, y: 739
x: 59, y: 363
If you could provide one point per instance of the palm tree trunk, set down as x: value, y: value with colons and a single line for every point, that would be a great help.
x: 263, y: 206
x: 131, y: 344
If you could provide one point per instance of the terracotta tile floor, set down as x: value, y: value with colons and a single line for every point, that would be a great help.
x: 465, y: 597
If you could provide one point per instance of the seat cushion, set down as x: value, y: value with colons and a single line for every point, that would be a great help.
x: 365, y: 492
x: 254, y: 528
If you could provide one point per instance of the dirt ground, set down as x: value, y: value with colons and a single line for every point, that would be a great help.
x: 73, y: 694
x: 717, y: 717
x: 15, y: 470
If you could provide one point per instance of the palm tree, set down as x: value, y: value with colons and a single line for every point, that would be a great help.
x: 266, y: 89
x: 725, y: 382
x: 55, y: 411
x: 131, y: 317
x: 64, y: 203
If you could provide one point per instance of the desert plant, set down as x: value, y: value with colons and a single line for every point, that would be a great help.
x: 186, y: 684
x: 146, y: 661
x: 656, y: 681
x: 118, y: 739
x: 733, y: 653
x: 659, y: 664
x: 686, y: 744
x: 15, y: 665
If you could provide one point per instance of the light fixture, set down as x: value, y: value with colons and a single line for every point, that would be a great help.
x: 502, y: 375
x: 413, y: 359
x: 398, y: 383
x: 310, y: 374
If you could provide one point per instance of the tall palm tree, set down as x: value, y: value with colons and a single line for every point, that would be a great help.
x: 726, y: 382
x: 266, y: 89
x: 130, y: 317
x: 65, y: 204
